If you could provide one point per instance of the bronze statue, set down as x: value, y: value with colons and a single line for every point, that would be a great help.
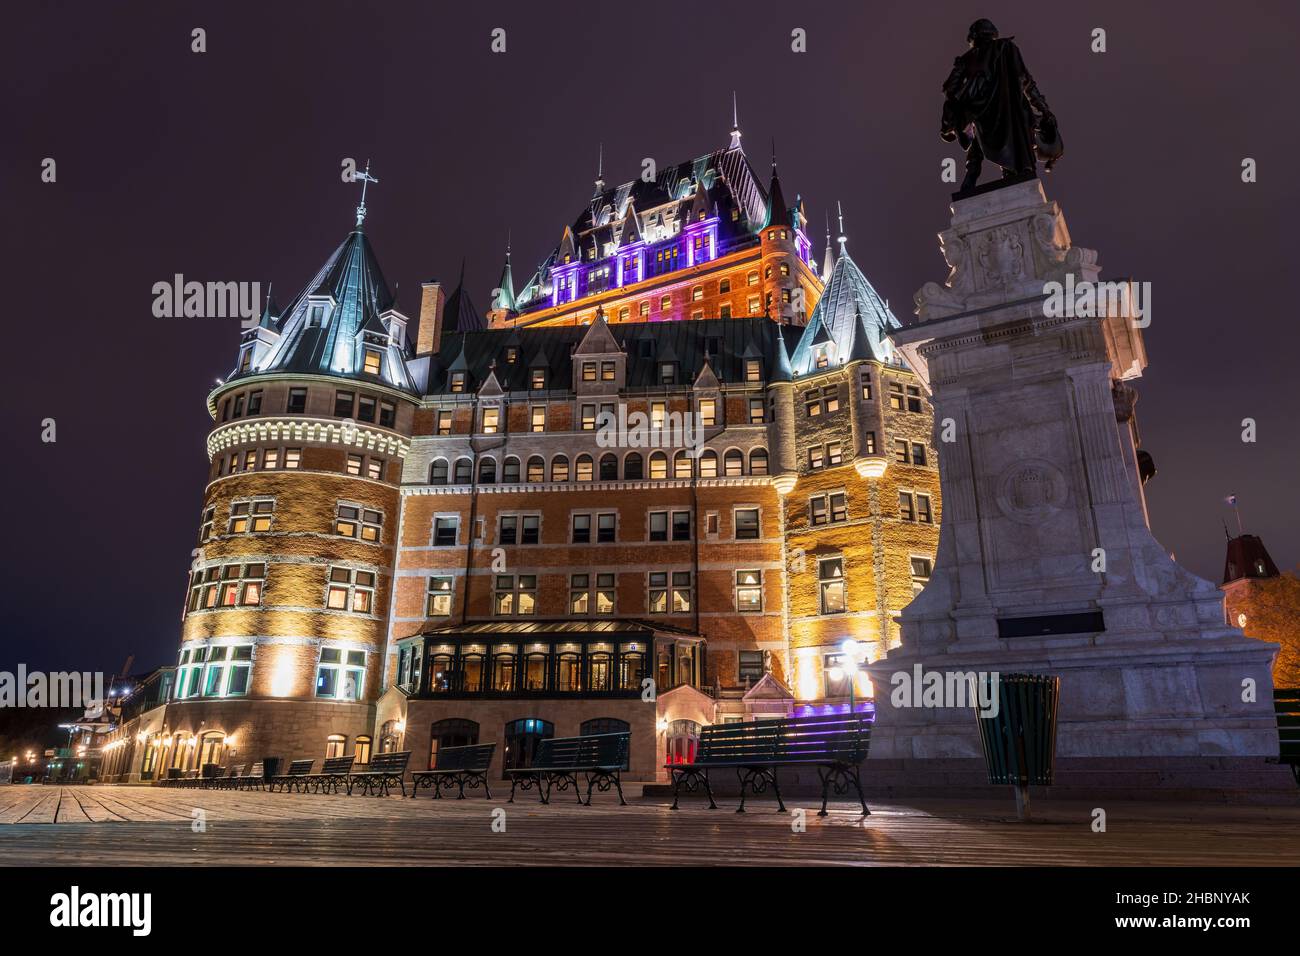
x: 991, y: 90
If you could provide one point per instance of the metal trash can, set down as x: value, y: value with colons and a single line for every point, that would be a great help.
x: 1019, y: 741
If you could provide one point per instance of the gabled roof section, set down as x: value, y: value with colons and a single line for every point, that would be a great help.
x: 848, y: 303
x: 352, y: 288
x: 598, y: 340
x: 727, y: 342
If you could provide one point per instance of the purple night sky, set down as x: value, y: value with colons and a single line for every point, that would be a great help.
x: 225, y: 166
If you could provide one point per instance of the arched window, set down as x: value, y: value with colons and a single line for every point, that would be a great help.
x: 335, y: 744
x: 584, y: 468
x: 734, y: 463
x: 440, y: 673
x: 451, y: 732
x: 681, y: 465
x: 609, y: 467
x: 212, y: 746
x: 487, y: 471
x: 606, y: 725
x: 658, y: 465
x: 751, y: 279
x: 390, y: 738
x: 464, y: 469
x: 521, y: 740
x: 536, y: 469
x: 709, y: 464
x: 361, y: 750
x: 438, y: 472
x: 724, y: 286
x: 680, y: 741
x: 560, y: 468
x: 758, y: 461
x: 510, y: 473
x: 633, y: 467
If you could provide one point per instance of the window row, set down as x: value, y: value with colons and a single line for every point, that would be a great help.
x: 832, y: 595
x: 214, y: 671
x: 602, y: 527
x: 242, y: 585
x: 732, y: 464
x: 667, y: 592
x: 266, y: 459
x: 358, y: 406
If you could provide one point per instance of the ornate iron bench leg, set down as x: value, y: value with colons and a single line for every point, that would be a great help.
x: 591, y: 779
x: 487, y: 788
x: 776, y: 787
x: 514, y: 779
x: 857, y: 783
x: 740, y: 775
x: 544, y: 787
x: 677, y: 777
x: 618, y: 783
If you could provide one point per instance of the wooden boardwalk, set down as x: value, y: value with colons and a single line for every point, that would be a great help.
x: 121, y: 826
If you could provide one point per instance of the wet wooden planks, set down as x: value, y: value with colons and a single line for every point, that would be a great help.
x: 148, y: 826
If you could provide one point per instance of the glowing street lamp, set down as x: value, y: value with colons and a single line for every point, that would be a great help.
x: 851, y: 659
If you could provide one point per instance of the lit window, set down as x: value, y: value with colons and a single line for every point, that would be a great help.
x: 816, y: 457
x: 491, y: 420
x: 457, y: 383
x: 375, y: 469
x: 350, y: 590
x: 231, y: 585
x: 205, y: 528
x: 537, y: 381
x: 906, y: 506
x: 923, y: 512
x: 514, y: 594
x: 589, y: 371
x: 753, y: 370
x: 271, y: 458
x: 749, y: 591
x: 292, y: 457
x: 757, y: 413
x: 444, y: 423
x: 708, y: 412
x: 834, y: 454
x: 340, y: 675
x: 354, y: 521
x: 251, y: 516
x: 354, y: 464
x: 901, y: 448
x: 697, y: 293
x: 709, y: 464
x: 866, y: 386
x: 559, y: 468
x: 438, y: 600
x: 588, y: 418
x: 607, y: 371
x: 579, y: 596
x: 830, y: 580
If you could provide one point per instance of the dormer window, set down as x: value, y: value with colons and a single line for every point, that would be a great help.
x: 822, y: 356
x: 512, y: 356
x: 753, y: 370
x: 315, y: 316
x: 589, y: 371
x: 458, y: 381
x: 246, y: 359
x: 372, y: 362
x: 667, y: 373
x: 538, y: 379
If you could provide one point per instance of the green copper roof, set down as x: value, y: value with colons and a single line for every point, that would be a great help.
x: 836, y: 319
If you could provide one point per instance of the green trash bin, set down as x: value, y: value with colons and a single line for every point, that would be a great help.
x: 1019, y: 741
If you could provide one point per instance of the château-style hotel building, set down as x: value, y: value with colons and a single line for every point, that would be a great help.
x: 422, y: 534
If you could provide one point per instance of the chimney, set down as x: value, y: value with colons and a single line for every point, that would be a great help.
x: 432, y: 302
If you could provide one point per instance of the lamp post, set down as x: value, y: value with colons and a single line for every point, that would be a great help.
x: 850, y: 663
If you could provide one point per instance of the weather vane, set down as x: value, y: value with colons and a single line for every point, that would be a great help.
x: 365, y: 179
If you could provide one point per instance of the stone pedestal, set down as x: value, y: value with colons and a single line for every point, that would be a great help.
x: 1046, y: 563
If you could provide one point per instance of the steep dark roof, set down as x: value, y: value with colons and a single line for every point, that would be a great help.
x: 848, y: 309
x: 352, y: 278
x: 1248, y: 558
x: 459, y: 314
x: 646, y: 345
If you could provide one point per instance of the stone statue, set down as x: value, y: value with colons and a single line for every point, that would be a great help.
x: 991, y: 90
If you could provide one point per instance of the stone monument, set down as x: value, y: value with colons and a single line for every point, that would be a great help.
x: 1046, y: 563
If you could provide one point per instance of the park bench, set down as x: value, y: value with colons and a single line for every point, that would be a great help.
x: 559, y: 760
x: 333, y: 774
x: 189, y: 779
x: 228, y: 781
x: 456, y: 766
x: 254, y: 778
x: 1286, y: 704
x: 383, y: 769
x: 833, y: 744
x: 295, y: 778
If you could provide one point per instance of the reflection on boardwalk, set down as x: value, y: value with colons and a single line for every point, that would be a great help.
x: 106, y: 825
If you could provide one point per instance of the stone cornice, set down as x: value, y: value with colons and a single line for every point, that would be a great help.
x: 320, y: 431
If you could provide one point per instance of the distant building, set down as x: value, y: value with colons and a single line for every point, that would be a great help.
x: 413, y: 542
x: 1264, y: 603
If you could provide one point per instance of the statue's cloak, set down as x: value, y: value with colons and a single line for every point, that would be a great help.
x: 991, y: 87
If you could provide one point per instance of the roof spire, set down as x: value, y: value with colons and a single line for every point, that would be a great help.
x: 600, y: 171
x: 829, y: 265
x: 503, y: 296
x: 839, y: 210
x: 366, y: 179
x: 735, y: 123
